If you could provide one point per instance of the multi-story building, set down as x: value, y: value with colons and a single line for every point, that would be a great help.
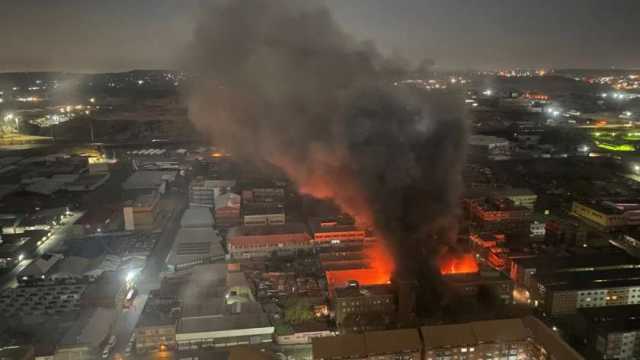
x: 519, y: 196
x: 156, y: 329
x: 203, y: 192
x: 525, y: 338
x: 523, y: 269
x: 227, y: 210
x: 500, y: 215
x: 565, y: 292
x: 472, y: 284
x: 262, y: 240
x: 327, y: 232
x: 401, y: 344
x: 364, y: 308
x: 263, y: 195
x: 263, y: 214
x: 610, y: 332
x: 481, y: 242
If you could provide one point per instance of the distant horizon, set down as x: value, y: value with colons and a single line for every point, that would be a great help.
x: 117, y: 35
x: 435, y: 69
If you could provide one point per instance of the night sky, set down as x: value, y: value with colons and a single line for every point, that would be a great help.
x: 115, y: 35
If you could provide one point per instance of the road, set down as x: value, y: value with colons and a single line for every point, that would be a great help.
x: 50, y: 245
x: 149, y: 278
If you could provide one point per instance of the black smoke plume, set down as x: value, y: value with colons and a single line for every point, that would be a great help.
x: 281, y: 81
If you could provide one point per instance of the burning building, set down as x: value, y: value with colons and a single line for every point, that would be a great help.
x: 282, y: 82
x: 454, y: 264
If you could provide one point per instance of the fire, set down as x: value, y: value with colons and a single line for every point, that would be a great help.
x: 451, y: 264
x: 325, y: 177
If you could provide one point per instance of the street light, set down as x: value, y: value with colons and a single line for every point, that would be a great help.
x: 130, y: 275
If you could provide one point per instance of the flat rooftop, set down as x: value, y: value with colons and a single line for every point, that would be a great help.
x: 257, y: 230
x: 598, y: 279
x: 224, y: 323
x: 617, y: 207
x: 197, y: 217
x: 331, y: 225
x: 553, y: 263
x: 141, y: 180
x: 508, y: 330
x: 368, y: 344
x: 361, y: 291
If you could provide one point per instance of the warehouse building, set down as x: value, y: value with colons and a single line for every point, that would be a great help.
x: 194, y: 246
x: 262, y: 240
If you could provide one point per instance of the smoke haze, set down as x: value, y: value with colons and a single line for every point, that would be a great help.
x: 280, y: 81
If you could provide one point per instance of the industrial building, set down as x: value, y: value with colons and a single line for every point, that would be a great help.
x: 194, y: 246
x: 222, y: 325
x: 262, y: 240
x: 141, y: 213
x: 149, y: 180
x: 219, y: 311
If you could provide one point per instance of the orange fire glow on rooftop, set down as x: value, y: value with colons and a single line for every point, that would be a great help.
x: 323, y: 178
x: 451, y: 264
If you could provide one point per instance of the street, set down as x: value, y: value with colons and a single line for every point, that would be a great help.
x: 149, y: 278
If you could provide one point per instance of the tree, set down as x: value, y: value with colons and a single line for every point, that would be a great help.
x: 297, y: 310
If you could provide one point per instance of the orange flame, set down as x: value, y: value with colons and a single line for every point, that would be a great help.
x: 458, y: 264
x: 324, y: 177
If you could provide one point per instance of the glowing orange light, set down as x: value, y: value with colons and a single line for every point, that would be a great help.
x: 325, y: 176
x: 217, y: 154
x: 458, y: 264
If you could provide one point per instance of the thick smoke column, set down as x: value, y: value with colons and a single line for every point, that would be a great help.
x: 280, y: 81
